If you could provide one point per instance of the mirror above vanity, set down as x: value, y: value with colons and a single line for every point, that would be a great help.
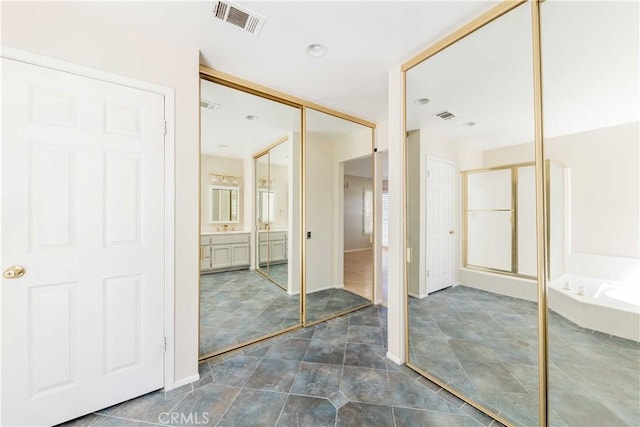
x: 224, y: 204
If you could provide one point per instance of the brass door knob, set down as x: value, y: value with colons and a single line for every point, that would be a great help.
x: 13, y: 272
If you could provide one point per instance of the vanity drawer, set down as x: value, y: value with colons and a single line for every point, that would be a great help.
x: 272, y: 235
x: 225, y: 239
x: 205, y: 240
x: 277, y: 235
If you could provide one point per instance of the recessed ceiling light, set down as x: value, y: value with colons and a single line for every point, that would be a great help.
x: 421, y: 101
x: 223, y: 145
x: 316, y: 50
x: 469, y: 124
x: 252, y: 117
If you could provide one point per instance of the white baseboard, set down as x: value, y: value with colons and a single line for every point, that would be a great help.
x: 185, y: 381
x: 419, y: 296
x: 395, y: 359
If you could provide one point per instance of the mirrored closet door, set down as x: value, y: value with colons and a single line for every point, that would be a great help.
x: 275, y: 214
x: 248, y: 201
x: 339, y: 216
x: 470, y: 225
x: 590, y: 57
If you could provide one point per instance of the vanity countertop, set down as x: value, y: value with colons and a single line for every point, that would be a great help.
x: 215, y: 233
x: 273, y: 230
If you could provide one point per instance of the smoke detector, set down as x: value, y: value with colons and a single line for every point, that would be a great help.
x: 238, y: 16
x: 445, y: 115
x: 209, y: 105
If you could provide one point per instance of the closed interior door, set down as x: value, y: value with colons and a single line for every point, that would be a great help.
x: 440, y: 231
x: 82, y: 212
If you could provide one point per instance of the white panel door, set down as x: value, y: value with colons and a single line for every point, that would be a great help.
x: 82, y: 211
x: 440, y: 231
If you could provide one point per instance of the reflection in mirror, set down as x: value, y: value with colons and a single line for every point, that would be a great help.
x: 358, y: 226
x: 238, y: 305
x: 472, y: 311
x: 224, y: 204
x: 265, y: 206
x: 591, y: 140
x: 339, y: 215
x: 274, y: 184
x: 262, y: 208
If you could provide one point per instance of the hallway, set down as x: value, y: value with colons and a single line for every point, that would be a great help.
x: 331, y: 374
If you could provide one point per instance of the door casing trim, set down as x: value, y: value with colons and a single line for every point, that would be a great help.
x: 169, y: 178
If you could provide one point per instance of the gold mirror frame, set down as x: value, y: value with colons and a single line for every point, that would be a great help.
x: 542, y: 221
x: 228, y: 80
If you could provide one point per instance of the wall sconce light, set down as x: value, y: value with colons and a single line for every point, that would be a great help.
x: 265, y: 182
x: 217, y: 178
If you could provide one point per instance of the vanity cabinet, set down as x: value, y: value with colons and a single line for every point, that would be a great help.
x: 225, y: 251
x: 273, y: 244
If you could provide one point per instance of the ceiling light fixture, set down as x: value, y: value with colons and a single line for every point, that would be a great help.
x: 252, y: 117
x: 421, y: 101
x: 209, y: 105
x: 316, y: 50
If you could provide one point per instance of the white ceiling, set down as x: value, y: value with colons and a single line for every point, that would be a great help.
x: 226, y: 131
x: 365, y: 39
x: 590, y: 74
x: 368, y: 38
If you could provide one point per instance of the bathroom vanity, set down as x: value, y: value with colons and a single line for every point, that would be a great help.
x: 224, y: 251
x: 273, y: 246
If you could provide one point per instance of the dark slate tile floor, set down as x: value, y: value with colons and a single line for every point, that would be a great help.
x: 332, y: 374
x: 240, y: 306
x: 280, y: 273
x: 485, y: 345
x: 323, y: 304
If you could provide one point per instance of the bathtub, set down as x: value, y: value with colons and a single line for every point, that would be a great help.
x: 606, y: 306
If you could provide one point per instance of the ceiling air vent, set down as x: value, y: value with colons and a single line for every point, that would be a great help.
x: 445, y: 115
x: 209, y: 105
x: 238, y: 16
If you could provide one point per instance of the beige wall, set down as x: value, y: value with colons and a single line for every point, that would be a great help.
x: 605, y: 186
x: 220, y: 166
x: 413, y: 153
x: 65, y: 32
x: 280, y: 186
x: 354, y: 238
x: 319, y: 171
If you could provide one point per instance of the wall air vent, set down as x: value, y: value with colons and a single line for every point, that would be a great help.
x: 238, y: 16
x: 445, y: 115
x: 209, y: 105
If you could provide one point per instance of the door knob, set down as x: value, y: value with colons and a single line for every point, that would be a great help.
x: 452, y: 232
x: 13, y: 272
